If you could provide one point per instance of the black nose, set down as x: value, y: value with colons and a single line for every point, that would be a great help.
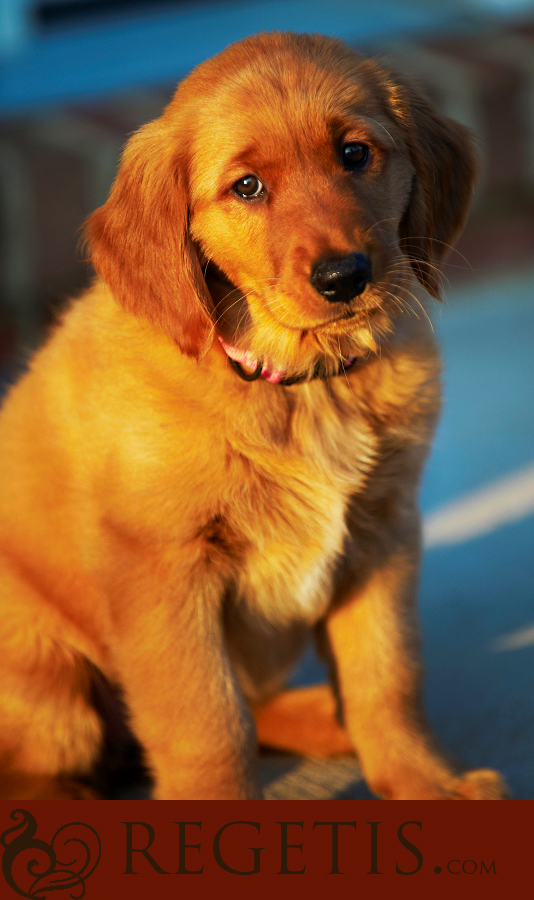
x: 340, y: 280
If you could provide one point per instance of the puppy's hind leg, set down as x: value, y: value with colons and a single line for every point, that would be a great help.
x: 49, y: 731
x: 302, y: 720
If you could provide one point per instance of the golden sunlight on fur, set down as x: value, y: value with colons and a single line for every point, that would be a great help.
x: 219, y: 448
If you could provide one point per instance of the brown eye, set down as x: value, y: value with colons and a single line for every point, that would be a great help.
x: 354, y: 155
x: 249, y: 187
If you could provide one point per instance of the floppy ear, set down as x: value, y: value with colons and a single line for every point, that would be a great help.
x: 445, y: 163
x: 140, y: 244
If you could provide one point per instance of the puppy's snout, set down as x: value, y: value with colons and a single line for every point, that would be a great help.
x: 340, y: 280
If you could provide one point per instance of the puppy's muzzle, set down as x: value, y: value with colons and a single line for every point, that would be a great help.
x: 340, y: 280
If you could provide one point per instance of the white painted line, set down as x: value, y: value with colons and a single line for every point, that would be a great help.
x: 524, y: 637
x: 507, y: 500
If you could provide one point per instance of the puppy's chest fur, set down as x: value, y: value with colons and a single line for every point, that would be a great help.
x: 285, y: 509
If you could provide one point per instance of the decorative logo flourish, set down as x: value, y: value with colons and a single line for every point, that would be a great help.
x: 32, y: 867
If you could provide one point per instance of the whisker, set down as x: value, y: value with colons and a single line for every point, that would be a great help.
x: 342, y: 361
x: 397, y: 301
x: 405, y: 269
x: 404, y: 282
x: 376, y: 224
x: 450, y: 247
x: 412, y: 295
x: 387, y: 132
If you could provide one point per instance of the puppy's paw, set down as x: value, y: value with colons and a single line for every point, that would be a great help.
x: 477, y: 784
x: 482, y: 784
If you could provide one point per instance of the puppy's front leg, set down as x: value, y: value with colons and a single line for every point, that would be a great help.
x: 374, y: 637
x: 185, y: 704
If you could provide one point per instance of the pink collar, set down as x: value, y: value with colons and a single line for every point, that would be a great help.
x: 264, y: 369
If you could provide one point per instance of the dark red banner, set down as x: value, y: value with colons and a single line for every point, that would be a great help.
x: 278, y: 849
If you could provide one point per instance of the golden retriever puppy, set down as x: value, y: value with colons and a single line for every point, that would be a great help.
x: 219, y: 448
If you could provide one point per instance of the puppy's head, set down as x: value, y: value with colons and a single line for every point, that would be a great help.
x: 287, y: 198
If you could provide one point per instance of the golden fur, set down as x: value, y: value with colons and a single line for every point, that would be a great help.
x: 171, y: 529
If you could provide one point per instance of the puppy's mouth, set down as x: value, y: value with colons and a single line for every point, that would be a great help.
x: 218, y: 284
x: 233, y: 317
